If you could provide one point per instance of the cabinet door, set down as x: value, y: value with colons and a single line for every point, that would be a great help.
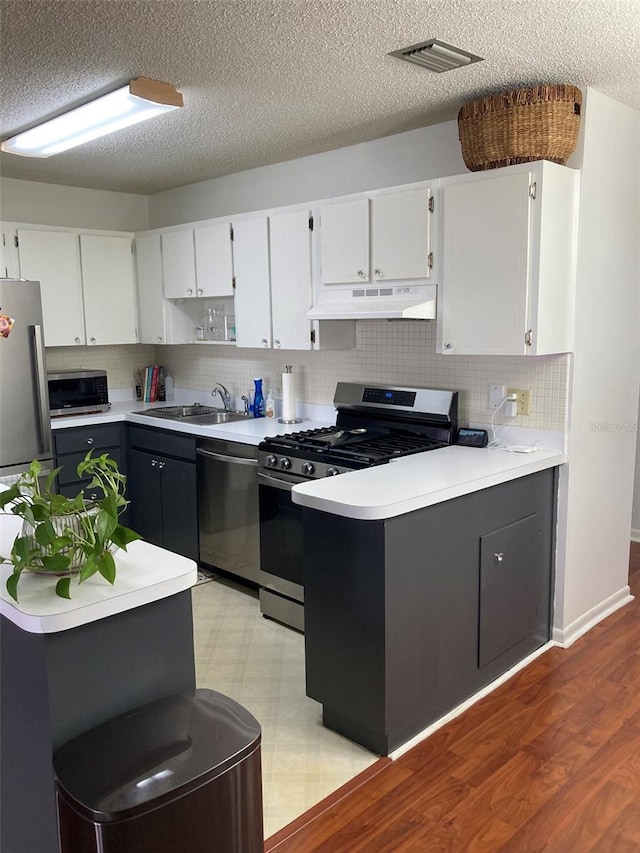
x: 143, y: 488
x: 151, y: 327
x: 290, y: 250
x: 109, y: 289
x: 9, y: 260
x: 214, y: 260
x: 486, y: 263
x: 179, y: 507
x: 401, y: 236
x: 253, y: 297
x: 53, y: 259
x: 178, y: 264
x: 344, y: 242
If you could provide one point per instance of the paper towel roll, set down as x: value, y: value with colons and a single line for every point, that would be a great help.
x: 288, y: 396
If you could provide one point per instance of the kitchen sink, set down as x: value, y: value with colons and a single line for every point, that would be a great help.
x: 195, y: 414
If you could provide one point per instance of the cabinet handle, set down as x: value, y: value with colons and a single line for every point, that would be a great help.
x: 200, y: 291
x: 161, y: 464
x: 189, y: 291
x: 94, y: 496
x: 77, y: 340
x: 154, y: 462
x: 93, y: 340
x: 447, y: 346
x: 159, y: 339
x: 89, y: 441
x: 265, y: 342
x: 378, y: 273
x: 499, y: 557
x: 276, y: 343
x: 360, y: 273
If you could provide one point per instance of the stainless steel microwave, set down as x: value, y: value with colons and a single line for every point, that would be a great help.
x: 74, y: 392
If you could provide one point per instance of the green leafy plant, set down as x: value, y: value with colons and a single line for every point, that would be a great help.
x: 62, y: 536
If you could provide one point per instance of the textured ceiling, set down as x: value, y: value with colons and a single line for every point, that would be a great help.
x: 270, y: 80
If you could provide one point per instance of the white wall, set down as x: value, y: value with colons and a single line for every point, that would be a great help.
x: 401, y: 159
x: 71, y: 207
x: 597, y: 488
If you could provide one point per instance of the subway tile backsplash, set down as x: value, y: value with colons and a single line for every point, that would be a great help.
x: 394, y: 352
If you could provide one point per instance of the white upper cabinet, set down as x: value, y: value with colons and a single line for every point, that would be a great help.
x: 509, y: 262
x: 214, y: 260
x: 344, y: 241
x: 198, y: 261
x: 179, y: 264
x: 109, y: 289
x: 53, y: 259
x: 378, y: 238
x: 291, y: 293
x: 9, y: 260
x: 151, y: 324
x: 401, y: 236
x: 253, y: 292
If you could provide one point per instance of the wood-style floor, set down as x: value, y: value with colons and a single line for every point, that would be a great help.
x: 550, y: 762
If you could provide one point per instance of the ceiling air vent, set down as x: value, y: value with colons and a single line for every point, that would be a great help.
x: 436, y: 56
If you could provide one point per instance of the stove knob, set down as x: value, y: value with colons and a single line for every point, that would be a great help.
x: 271, y: 461
x: 308, y: 468
x: 285, y: 463
x: 331, y: 472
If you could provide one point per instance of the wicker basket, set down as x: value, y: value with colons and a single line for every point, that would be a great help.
x: 540, y: 123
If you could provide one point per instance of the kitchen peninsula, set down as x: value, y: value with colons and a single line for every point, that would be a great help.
x: 69, y: 665
x: 425, y: 580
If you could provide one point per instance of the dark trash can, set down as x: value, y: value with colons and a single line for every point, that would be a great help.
x: 179, y: 774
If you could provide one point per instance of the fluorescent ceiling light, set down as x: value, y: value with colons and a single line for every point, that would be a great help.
x: 436, y: 56
x: 140, y: 99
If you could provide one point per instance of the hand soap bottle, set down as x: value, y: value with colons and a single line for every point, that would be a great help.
x: 258, y: 399
x: 269, y: 406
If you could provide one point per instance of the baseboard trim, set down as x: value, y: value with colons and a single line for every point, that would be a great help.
x: 463, y: 706
x: 566, y: 637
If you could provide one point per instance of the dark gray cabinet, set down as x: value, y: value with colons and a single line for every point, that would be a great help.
x: 163, y: 490
x: 407, y: 617
x: 71, y: 446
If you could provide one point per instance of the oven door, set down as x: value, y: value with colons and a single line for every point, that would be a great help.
x: 281, y: 580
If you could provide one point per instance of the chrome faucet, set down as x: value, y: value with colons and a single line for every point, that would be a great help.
x: 225, y: 396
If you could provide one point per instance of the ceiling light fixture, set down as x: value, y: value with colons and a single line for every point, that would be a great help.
x: 140, y: 99
x: 436, y: 56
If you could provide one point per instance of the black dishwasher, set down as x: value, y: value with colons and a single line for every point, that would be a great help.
x: 228, y: 507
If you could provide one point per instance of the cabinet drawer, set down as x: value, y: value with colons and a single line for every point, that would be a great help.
x: 164, y: 442
x: 85, y: 438
x: 70, y: 461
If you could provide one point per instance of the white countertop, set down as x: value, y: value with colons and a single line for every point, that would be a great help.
x: 144, y: 573
x: 419, y: 481
x: 249, y: 431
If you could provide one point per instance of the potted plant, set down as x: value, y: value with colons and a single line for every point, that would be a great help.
x: 65, y: 536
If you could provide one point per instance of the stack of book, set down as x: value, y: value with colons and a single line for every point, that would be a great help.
x: 152, y: 383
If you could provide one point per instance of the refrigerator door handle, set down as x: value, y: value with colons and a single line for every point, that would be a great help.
x: 42, y: 389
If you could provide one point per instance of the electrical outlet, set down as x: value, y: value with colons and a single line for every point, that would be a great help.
x: 522, y: 399
x: 496, y: 395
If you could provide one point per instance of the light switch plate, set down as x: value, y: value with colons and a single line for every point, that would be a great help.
x: 496, y: 395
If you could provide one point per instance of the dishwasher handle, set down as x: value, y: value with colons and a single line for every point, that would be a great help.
x: 222, y: 457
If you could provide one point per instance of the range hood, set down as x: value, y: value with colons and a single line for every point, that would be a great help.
x: 416, y: 302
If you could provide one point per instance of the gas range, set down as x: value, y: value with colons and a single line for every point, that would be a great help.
x: 375, y: 424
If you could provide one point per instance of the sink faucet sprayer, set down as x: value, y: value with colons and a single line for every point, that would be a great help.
x: 225, y: 396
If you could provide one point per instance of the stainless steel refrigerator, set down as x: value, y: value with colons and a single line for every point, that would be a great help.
x: 25, y: 428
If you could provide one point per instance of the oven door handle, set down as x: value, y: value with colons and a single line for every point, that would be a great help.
x: 236, y: 460
x: 276, y: 482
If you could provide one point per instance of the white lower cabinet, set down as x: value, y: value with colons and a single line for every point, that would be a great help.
x: 509, y: 262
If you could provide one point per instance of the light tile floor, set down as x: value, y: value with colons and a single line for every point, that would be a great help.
x: 260, y: 664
